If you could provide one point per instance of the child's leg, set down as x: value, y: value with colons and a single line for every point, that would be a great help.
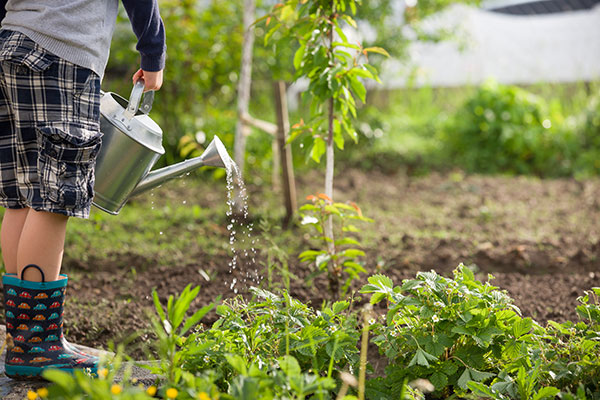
x: 42, y: 243
x: 10, y: 232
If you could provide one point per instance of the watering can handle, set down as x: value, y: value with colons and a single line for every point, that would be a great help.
x: 135, y: 98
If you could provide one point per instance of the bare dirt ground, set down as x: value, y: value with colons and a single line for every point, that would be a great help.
x: 539, y: 238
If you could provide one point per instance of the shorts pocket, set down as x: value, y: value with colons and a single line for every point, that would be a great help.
x: 66, y: 161
x: 18, y: 49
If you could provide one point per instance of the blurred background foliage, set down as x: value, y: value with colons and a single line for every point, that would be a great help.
x: 547, y: 129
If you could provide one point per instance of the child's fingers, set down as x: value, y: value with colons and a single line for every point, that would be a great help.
x: 152, y: 80
x: 138, y: 74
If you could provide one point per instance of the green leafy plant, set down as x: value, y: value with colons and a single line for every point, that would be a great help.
x: 282, y: 379
x: 338, y: 257
x: 524, y: 386
x: 507, y: 129
x: 450, y: 331
x: 572, y: 350
x: 171, y: 327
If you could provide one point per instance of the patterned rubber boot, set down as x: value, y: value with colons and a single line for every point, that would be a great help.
x: 34, y: 319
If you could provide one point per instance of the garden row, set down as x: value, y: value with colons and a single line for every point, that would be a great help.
x: 455, y: 337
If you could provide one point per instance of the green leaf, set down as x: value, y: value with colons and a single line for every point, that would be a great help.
x: 345, y: 206
x: 449, y: 367
x: 546, y: 392
x: 183, y: 304
x: 464, y: 378
x: 298, y: 56
x: 309, y: 207
x: 350, y: 21
x: 289, y: 365
x: 341, y: 34
x: 347, y: 241
x: 340, y: 306
x: 287, y: 12
x: 373, y: 71
x: 238, y: 363
x: 318, y: 149
x: 381, y: 281
x: 379, y: 50
x: 354, y: 265
x: 480, y: 375
x: 522, y: 327
x: 468, y: 274
x: 349, y: 45
x: 481, y: 390
x: 358, y: 88
x: 422, y: 357
x: 461, y: 330
x: 158, y: 306
x: 485, y: 336
x: 331, y: 209
x: 351, y: 228
x: 439, y: 380
x: 270, y: 33
x: 352, y: 253
x: 198, y: 315
x: 338, y: 138
x: 61, y: 378
x: 310, y: 254
x: 363, y: 73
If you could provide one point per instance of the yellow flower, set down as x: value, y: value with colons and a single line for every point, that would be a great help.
x: 31, y: 395
x: 115, y: 389
x: 102, y: 373
x: 203, y: 396
x: 42, y: 392
x: 151, y: 390
x: 172, y: 393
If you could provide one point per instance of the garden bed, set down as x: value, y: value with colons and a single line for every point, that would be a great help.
x: 538, y: 238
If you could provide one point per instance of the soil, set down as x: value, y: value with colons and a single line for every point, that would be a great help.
x: 539, y: 238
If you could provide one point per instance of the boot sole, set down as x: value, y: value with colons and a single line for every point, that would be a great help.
x: 20, y: 372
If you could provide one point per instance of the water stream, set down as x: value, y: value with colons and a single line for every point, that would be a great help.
x: 240, y: 230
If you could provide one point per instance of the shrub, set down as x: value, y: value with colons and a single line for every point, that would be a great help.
x: 509, y: 130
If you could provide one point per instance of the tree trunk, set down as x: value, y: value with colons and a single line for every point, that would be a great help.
x: 243, y: 88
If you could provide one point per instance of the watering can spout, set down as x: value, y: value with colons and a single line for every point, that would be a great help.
x: 215, y: 155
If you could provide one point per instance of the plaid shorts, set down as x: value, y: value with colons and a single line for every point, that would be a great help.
x: 49, y: 129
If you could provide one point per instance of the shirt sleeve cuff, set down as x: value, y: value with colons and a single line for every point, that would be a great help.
x: 153, y: 63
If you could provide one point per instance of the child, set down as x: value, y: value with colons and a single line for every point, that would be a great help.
x: 52, y: 59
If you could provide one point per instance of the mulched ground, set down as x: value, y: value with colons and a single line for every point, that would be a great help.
x: 539, y: 238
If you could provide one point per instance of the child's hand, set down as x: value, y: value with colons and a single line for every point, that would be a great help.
x: 152, y: 80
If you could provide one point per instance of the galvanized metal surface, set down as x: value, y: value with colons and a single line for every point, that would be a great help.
x: 131, y: 145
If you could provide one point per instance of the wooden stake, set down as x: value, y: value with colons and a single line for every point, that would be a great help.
x: 285, y: 152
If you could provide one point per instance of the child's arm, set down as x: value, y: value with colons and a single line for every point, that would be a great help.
x: 3, y: 9
x: 150, y: 32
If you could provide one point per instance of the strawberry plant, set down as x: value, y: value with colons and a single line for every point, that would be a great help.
x: 450, y: 331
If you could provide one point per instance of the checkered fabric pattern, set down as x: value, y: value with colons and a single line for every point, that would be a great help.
x: 49, y: 129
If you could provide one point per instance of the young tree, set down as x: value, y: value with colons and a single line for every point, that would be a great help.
x: 335, y: 67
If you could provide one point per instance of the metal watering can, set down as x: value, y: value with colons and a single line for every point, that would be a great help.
x: 131, y: 145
